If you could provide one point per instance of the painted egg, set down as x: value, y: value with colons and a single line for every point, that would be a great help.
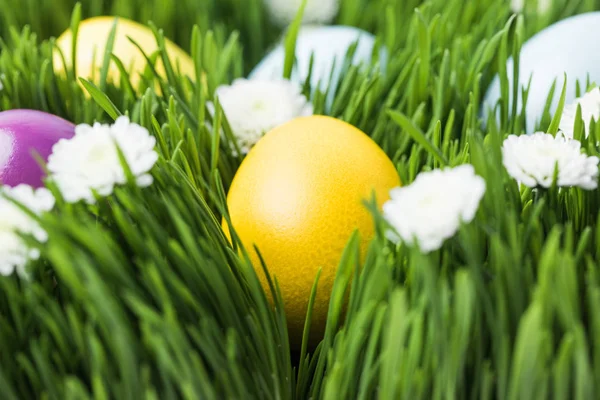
x: 564, y: 47
x: 298, y: 197
x: 24, y: 133
x: 92, y: 39
x: 328, y: 44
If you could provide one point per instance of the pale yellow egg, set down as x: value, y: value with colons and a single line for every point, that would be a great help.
x: 92, y: 39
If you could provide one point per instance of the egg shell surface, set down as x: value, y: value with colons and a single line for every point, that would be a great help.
x: 92, y: 39
x: 298, y: 197
x: 22, y: 134
x: 329, y: 44
x: 564, y: 47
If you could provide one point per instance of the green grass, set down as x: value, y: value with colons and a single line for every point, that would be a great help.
x: 141, y: 296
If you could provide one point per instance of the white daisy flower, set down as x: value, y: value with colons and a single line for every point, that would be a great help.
x: 532, y: 159
x: 590, y: 109
x: 432, y: 208
x: 254, y: 107
x: 14, y: 253
x: 283, y: 12
x: 517, y: 6
x: 90, y: 161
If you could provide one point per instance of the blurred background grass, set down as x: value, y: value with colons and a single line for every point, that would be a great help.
x: 177, y: 17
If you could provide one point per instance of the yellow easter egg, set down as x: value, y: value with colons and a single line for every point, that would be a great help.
x: 92, y: 38
x: 298, y: 197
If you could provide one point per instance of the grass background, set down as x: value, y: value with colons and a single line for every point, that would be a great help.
x: 141, y: 296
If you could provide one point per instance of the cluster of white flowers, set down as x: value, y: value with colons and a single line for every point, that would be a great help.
x: 590, y: 109
x: 14, y: 222
x: 283, y: 12
x: 254, y: 107
x: 89, y: 161
x: 533, y: 160
x: 432, y: 208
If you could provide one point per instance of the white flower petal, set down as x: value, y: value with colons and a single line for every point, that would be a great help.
x: 532, y: 159
x: 90, y: 160
x: 254, y: 107
x: 283, y: 12
x: 14, y: 253
x: 590, y: 109
x: 431, y: 209
x: 145, y: 180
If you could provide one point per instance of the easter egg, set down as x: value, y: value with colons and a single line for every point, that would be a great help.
x: 329, y: 45
x: 564, y: 47
x: 298, y: 197
x: 24, y: 134
x: 92, y: 39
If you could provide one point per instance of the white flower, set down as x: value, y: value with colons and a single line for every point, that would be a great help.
x: 432, y: 208
x: 14, y: 253
x: 89, y: 160
x: 254, y: 107
x: 590, y: 109
x: 283, y: 12
x: 517, y: 6
x: 532, y: 159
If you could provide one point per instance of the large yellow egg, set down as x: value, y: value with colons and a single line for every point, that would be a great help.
x: 91, y: 44
x: 298, y: 197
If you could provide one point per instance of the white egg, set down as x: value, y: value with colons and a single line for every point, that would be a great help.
x: 329, y: 44
x: 568, y: 46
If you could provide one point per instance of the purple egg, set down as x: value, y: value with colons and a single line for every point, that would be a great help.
x: 24, y: 133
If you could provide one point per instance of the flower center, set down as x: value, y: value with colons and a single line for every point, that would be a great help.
x: 429, y: 200
x: 102, y: 153
x: 552, y: 152
x: 259, y: 105
x: 6, y: 226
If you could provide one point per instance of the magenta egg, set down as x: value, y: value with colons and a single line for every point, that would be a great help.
x: 24, y: 133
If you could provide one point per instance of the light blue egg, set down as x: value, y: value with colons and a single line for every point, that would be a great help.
x: 569, y: 46
x: 329, y: 44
